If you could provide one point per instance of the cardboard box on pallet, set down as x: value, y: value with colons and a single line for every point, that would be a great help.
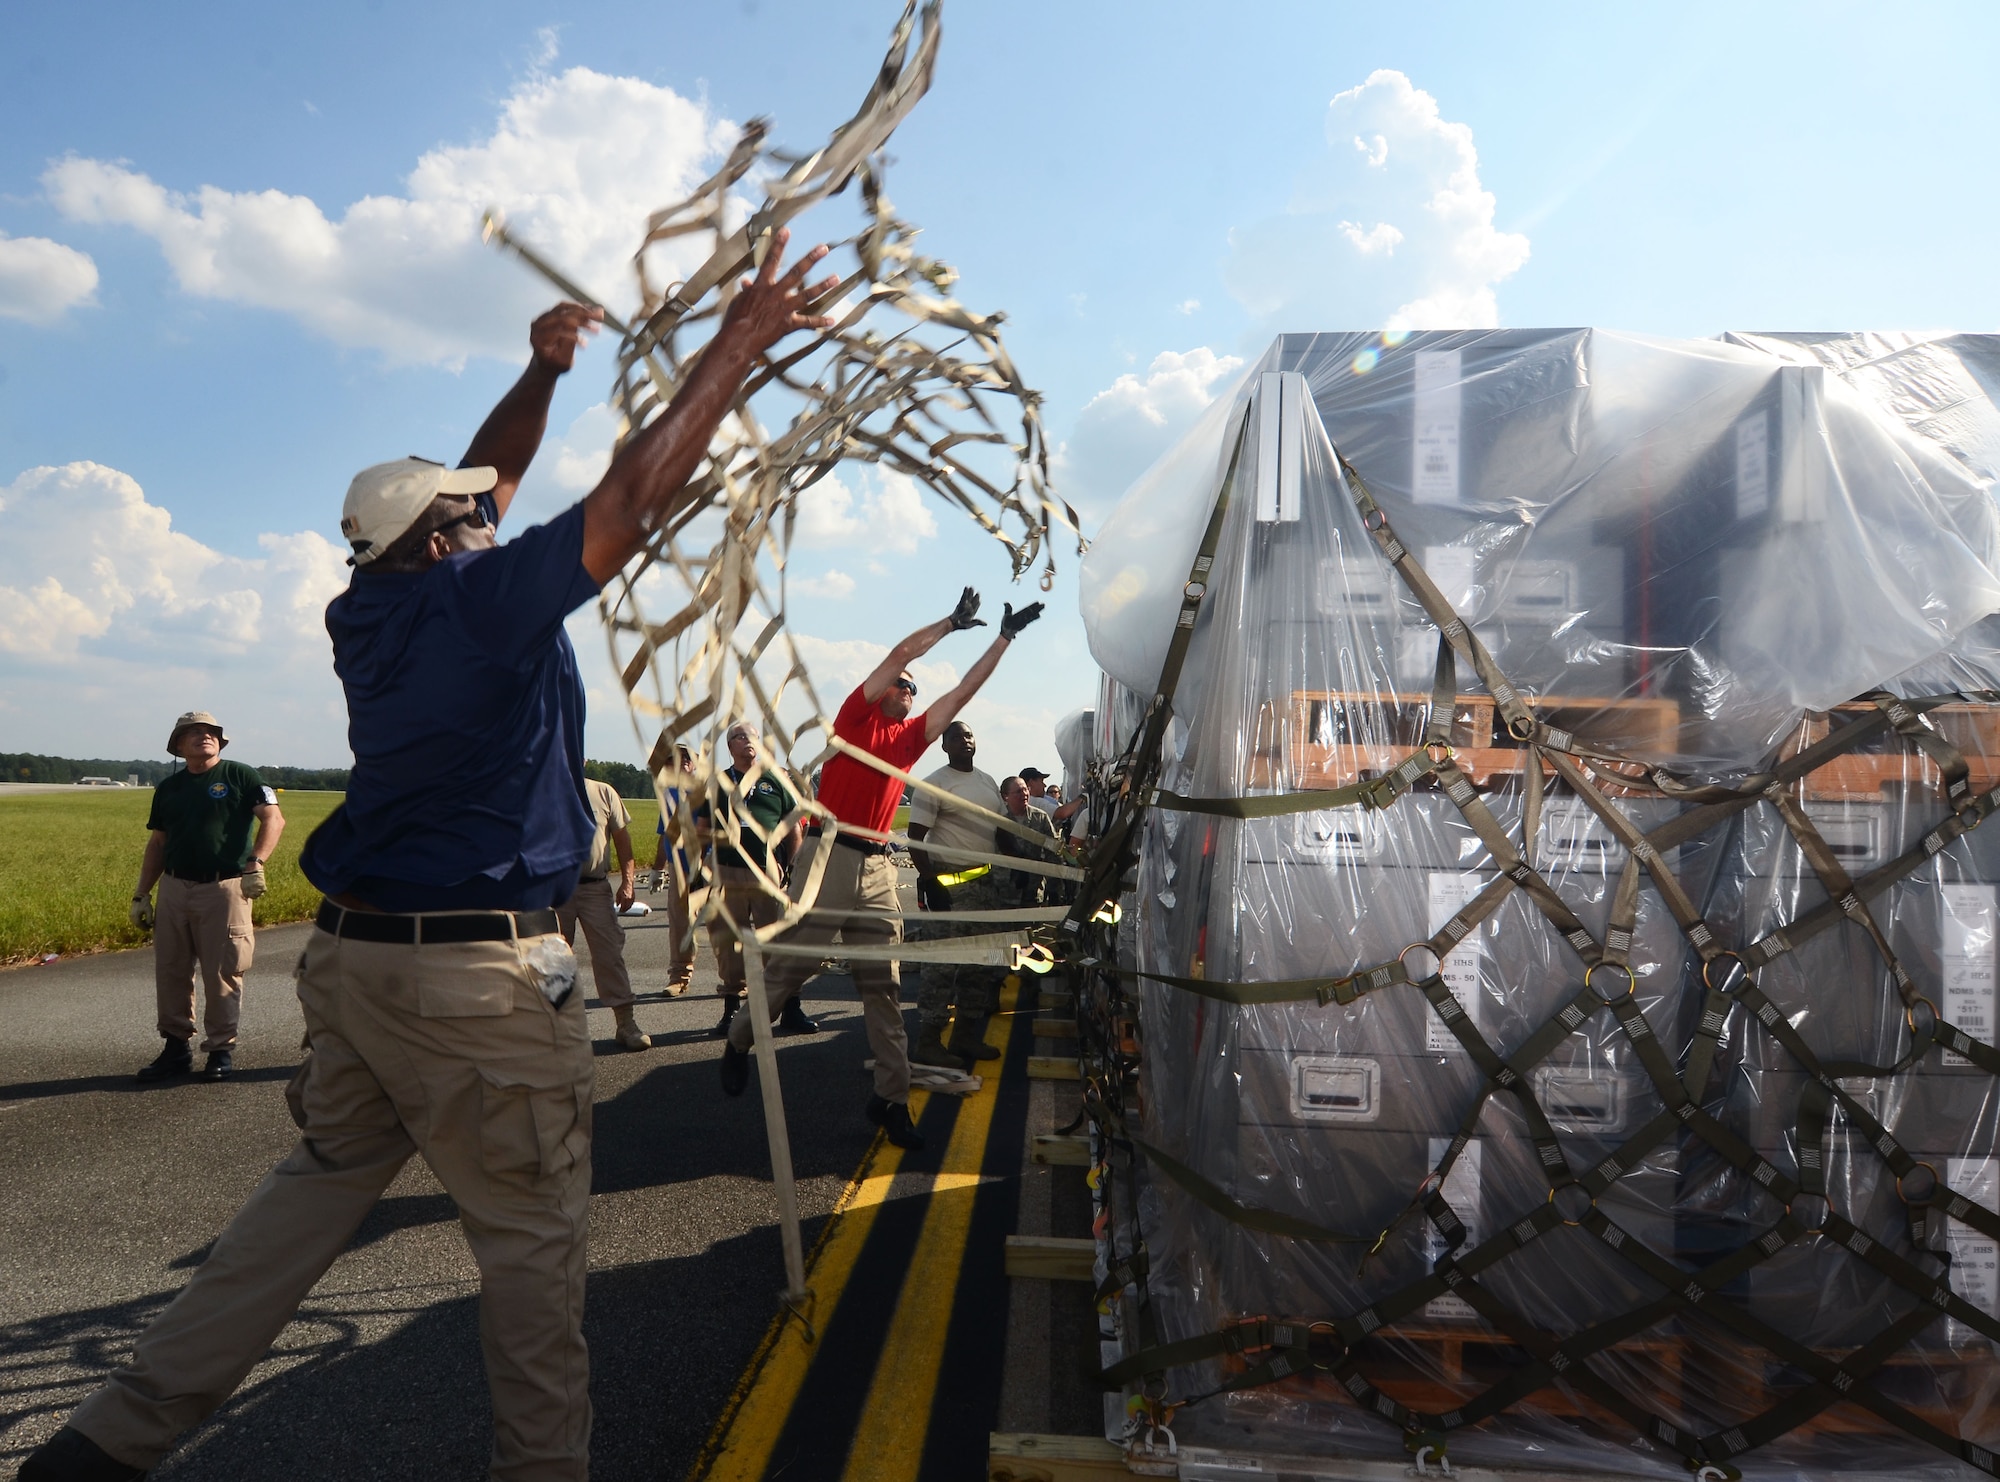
x: 1686, y: 553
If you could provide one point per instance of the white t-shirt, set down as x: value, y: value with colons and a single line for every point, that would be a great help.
x: 955, y: 828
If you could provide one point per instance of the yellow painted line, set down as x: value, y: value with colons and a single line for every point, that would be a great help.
x: 739, y: 1446
x: 889, y: 1441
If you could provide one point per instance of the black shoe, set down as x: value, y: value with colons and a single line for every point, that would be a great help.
x: 729, y: 1008
x: 735, y: 1070
x: 792, y: 1019
x: 175, y: 1059
x: 969, y: 1041
x: 893, y: 1117
x: 71, y: 1456
x: 221, y: 1066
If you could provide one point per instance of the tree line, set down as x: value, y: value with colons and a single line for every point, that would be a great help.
x: 24, y: 766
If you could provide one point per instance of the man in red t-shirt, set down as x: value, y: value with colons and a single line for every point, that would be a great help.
x: 860, y: 878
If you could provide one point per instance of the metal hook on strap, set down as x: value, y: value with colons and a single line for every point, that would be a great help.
x: 1033, y: 956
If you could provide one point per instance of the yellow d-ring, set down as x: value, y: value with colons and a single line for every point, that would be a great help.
x: 1910, y: 1013
x: 1925, y: 1199
x: 1631, y: 978
x: 1437, y: 961
x: 1432, y: 748
x: 1555, y: 1189
x: 1740, y: 960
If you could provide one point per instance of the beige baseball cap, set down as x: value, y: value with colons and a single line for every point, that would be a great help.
x: 385, y: 500
x: 195, y: 718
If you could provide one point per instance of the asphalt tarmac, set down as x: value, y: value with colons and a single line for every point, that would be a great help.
x: 113, y: 1192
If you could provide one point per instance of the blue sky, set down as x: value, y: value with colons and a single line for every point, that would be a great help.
x: 199, y: 343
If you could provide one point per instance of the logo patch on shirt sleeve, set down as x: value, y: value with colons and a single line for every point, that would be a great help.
x: 270, y: 798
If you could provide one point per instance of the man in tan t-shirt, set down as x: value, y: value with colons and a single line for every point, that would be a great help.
x: 596, y: 906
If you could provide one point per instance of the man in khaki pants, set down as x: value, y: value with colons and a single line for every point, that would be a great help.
x: 209, y: 869
x: 765, y: 799
x: 857, y: 892
x: 595, y: 907
x: 439, y: 997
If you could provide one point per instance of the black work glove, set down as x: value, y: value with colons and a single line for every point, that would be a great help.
x: 965, y: 615
x: 931, y: 894
x: 1013, y: 622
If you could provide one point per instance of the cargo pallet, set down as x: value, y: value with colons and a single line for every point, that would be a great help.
x: 1317, y: 744
x: 1889, y: 764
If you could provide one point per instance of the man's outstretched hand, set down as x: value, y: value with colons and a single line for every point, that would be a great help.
x: 767, y: 308
x: 1012, y: 622
x: 966, y: 614
x: 554, y: 337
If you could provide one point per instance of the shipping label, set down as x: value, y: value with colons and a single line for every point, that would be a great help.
x: 1975, y: 1260
x: 1451, y: 892
x: 1434, y: 477
x: 1966, y: 941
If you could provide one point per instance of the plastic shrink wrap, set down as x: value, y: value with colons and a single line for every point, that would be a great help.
x: 1657, y: 1155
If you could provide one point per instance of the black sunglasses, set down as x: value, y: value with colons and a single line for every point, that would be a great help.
x: 907, y: 686
x: 475, y: 517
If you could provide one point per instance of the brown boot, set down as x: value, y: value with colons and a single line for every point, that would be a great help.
x: 930, y: 1050
x: 629, y: 1035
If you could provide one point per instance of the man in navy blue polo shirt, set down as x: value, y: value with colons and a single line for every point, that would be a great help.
x: 439, y: 995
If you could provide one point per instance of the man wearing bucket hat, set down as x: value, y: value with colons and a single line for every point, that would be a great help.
x: 439, y: 996
x: 209, y: 868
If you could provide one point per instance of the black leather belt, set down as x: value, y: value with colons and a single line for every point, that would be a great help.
x: 210, y: 879
x: 852, y: 841
x: 433, y: 929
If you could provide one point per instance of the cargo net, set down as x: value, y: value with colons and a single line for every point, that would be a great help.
x: 908, y: 382
x: 1341, y: 1356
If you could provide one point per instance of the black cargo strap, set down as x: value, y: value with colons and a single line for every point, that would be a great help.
x: 1119, y: 850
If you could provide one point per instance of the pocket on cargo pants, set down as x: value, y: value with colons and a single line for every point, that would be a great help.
x: 534, y: 1119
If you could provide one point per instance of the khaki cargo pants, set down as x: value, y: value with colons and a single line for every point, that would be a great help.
x: 863, y: 886
x: 594, y: 909
x: 449, y: 1051
x: 751, y: 905
x: 206, y: 924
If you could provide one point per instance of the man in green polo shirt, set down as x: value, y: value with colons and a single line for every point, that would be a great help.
x: 768, y: 801
x: 209, y: 869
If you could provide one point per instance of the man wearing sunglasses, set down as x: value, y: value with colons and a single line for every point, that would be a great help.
x: 857, y: 891
x: 439, y: 996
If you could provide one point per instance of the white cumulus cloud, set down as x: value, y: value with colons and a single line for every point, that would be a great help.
x: 84, y: 556
x: 1388, y: 226
x: 890, y: 515
x: 575, y: 163
x: 1129, y: 424
x: 104, y: 604
x: 839, y: 664
x: 40, y: 280
x: 834, y: 584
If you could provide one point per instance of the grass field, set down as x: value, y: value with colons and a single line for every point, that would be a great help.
x: 69, y: 862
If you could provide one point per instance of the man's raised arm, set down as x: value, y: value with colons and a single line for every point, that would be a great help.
x: 647, y: 482
x: 919, y: 643
x: 512, y: 432
x: 945, y: 710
